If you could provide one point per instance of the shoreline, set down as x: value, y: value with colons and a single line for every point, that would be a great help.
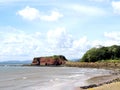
x: 100, y: 81
x: 105, y: 81
x: 104, y: 65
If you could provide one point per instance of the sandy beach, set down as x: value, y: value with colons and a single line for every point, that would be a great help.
x: 105, y: 82
x: 112, y: 86
x: 108, y: 82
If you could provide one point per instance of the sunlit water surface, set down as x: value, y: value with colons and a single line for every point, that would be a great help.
x: 45, y: 78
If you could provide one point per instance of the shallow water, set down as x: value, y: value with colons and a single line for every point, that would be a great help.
x: 45, y: 78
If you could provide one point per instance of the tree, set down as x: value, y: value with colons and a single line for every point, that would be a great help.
x: 102, y: 53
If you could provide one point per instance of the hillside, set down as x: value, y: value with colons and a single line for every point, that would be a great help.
x: 102, y: 53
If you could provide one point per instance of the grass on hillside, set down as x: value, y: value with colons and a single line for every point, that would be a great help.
x: 100, y: 64
x: 111, y: 61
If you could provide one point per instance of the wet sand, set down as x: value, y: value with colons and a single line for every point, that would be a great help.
x: 103, y: 79
x: 107, y: 82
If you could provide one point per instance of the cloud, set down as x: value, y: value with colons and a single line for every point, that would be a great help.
x: 10, y: 2
x: 18, y: 2
x: 96, y: 43
x: 87, y: 10
x: 80, y: 43
x: 110, y: 38
x: 61, y: 42
x: 116, y: 7
x: 31, y: 14
x: 59, y: 38
x: 99, y: 0
x: 113, y: 35
x: 19, y: 45
x: 6, y: 1
x: 53, y: 17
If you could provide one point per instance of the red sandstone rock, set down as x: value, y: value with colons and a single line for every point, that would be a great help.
x: 52, y: 60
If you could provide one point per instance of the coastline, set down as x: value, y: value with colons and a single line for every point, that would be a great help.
x: 86, y: 81
x: 104, y: 65
x: 105, y: 82
x: 101, y: 81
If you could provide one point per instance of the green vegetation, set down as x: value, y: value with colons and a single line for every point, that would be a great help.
x: 57, y: 56
x: 111, y: 61
x: 106, y: 54
x: 99, y: 64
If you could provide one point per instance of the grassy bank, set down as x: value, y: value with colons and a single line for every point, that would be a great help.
x: 93, y: 64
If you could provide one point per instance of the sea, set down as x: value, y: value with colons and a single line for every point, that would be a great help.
x: 17, y: 77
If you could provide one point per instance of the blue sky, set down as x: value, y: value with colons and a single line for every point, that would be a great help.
x: 30, y: 28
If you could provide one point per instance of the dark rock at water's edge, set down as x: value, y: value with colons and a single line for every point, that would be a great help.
x: 100, y: 84
x: 49, y: 60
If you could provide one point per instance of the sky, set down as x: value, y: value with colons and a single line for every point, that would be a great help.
x: 34, y: 28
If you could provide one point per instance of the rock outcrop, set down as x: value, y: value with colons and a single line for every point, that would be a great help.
x: 51, y: 60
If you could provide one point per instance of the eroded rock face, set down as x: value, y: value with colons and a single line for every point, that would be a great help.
x: 51, y: 60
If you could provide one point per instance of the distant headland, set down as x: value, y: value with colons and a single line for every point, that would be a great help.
x: 49, y: 60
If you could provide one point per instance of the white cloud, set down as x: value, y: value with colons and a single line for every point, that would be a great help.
x: 62, y: 42
x: 110, y: 38
x: 12, y: 2
x: 110, y: 42
x: 53, y: 17
x: 116, y: 6
x: 59, y: 38
x: 81, y: 43
x: 113, y: 35
x: 100, y: 0
x: 18, y: 45
x: 96, y: 43
x: 87, y: 10
x: 30, y: 13
x: 6, y: 1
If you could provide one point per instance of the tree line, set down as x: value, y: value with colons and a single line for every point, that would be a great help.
x: 102, y: 53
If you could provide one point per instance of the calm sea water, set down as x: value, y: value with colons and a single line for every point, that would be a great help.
x: 45, y: 78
